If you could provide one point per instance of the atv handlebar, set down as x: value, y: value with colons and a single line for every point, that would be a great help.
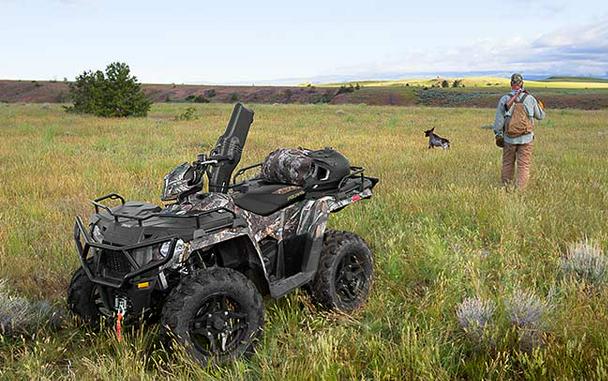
x: 243, y: 170
x: 206, y: 162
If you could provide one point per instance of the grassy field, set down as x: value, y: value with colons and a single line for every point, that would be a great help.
x: 483, y: 82
x: 440, y: 226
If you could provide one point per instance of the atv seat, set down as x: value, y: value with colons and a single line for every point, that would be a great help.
x: 264, y: 198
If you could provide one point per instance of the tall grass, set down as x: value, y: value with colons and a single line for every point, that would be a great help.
x: 441, y: 229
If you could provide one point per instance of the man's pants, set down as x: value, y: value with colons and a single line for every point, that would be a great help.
x: 522, y: 153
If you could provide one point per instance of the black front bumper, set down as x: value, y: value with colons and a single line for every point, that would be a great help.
x: 84, y: 243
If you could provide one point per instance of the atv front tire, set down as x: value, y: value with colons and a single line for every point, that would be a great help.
x: 216, y: 314
x: 84, y: 299
x: 344, y: 276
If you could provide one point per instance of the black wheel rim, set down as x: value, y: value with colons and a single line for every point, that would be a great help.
x: 98, y: 301
x: 351, y: 279
x: 219, y: 326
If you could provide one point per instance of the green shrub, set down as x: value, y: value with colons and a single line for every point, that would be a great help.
x: 457, y: 83
x: 234, y: 97
x: 113, y: 94
x: 210, y: 93
x: 345, y: 89
x: 196, y: 98
x: 188, y: 114
x: 326, y: 97
x: 200, y: 99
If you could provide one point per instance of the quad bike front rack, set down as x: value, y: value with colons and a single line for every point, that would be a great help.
x: 84, y: 243
x: 140, y: 219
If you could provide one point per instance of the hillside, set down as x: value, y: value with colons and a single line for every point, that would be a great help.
x: 57, y: 92
x: 470, y: 92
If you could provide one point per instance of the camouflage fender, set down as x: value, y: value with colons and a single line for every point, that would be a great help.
x: 339, y: 204
x: 209, y: 201
x: 304, y: 217
x: 204, y: 241
x: 313, y: 217
x: 277, y: 225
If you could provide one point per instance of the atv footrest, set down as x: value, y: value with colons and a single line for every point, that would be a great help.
x: 283, y: 286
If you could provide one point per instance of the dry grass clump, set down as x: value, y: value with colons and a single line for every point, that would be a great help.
x: 586, y: 261
x: 527, y: 312
x: 474, y: 315
x: 20, y: 316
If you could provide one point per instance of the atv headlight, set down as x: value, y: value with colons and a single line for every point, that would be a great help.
x: 97, y: 236
x: 180, y: 247
x: 179, y: 254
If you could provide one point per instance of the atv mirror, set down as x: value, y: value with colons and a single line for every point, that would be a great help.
x: 229, y: 148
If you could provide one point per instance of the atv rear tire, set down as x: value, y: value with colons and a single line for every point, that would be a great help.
x: 83, y: 298
x: 345, y: 272
x: 216, y: 314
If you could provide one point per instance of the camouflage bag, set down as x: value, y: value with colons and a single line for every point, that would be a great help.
x: 287, y: 166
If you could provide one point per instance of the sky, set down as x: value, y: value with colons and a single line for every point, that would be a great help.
x: 283, y: 42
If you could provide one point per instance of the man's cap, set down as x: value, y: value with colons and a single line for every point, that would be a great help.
x: 517, y: 78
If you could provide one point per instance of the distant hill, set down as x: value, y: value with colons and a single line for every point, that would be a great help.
x: 25, y: 91
x: 574, y: 79
x: 468, y: 92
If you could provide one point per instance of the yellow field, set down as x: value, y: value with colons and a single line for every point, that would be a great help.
x: 480, y: 82
x: 440, y: 226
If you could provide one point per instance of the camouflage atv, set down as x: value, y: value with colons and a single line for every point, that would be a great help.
x: 203, y: 262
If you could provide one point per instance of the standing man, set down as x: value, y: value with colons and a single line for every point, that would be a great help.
x: 513, y: 128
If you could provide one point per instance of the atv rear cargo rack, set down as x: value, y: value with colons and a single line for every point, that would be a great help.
x: 346, y: 187
x: 355, y: 172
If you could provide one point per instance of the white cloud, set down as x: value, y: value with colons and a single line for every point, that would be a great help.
x: 579, y: 50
